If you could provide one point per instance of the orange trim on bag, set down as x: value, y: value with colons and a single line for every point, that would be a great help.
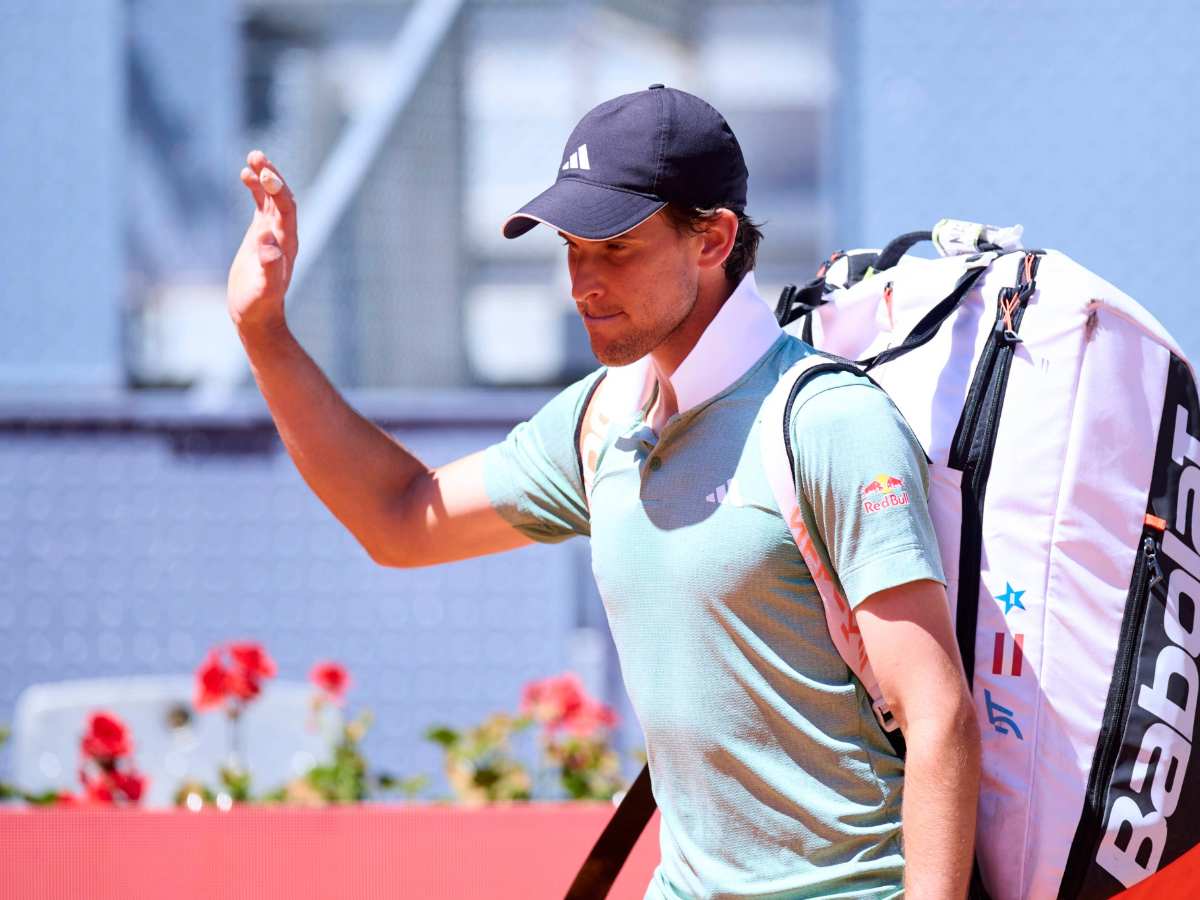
x: 1008, y: 306
x: 1155, y: 522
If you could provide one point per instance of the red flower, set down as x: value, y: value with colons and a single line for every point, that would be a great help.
x: 553, y: 701
x: 332, y: 679
x: 590, y: 718
x: 217, y: 681
x: 252, y: 659
x: 244, y: 685
x: 212, y: 682
x: 561, y: 703
x: 106, y: 738
x: 131, y: 783
x: 97, y: 789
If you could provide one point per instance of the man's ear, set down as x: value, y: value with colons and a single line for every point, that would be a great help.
x: 716, y: 241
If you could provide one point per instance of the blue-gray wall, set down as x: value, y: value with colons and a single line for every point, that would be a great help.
x: 1075, y: 118
x: 62, y: 181
x: 135, y: 535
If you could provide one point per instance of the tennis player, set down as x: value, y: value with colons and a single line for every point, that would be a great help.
x: 773, y: 776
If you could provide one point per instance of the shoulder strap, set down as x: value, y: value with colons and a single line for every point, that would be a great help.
x: 779, y: 463
x: 589, y: 431
x: 615, y: 394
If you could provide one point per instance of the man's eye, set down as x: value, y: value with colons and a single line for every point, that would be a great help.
x: 616, y: 246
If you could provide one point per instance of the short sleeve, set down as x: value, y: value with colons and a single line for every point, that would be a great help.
x: 532, y: 477
x: 863, y: 482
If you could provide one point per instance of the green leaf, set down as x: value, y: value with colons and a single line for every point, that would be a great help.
x: 237, y: 782
x: 46, y: 798
x: 440, y: 734
x: 411, y: 787
x: 276, y: 796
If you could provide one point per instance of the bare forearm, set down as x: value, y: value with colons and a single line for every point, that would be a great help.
x: 358, y: 470
x: 941, y: 790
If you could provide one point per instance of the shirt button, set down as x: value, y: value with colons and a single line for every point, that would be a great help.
x: 655, y: 464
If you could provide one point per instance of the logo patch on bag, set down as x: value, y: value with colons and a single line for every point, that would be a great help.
x: 1011, y: 598
x: 883, y: 492
x: 1004, y: 660
x: 1001, y: 718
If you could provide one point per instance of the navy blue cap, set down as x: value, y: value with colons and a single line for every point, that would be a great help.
x: 629, y: 157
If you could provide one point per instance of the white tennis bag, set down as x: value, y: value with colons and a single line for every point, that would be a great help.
x: 1064, y: 433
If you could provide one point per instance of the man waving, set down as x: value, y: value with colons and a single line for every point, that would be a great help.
x: 772, y: 774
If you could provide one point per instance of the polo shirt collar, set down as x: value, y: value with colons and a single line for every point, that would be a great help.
x: 742, y: 331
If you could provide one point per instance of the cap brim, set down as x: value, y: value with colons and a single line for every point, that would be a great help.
x: 584, y: 210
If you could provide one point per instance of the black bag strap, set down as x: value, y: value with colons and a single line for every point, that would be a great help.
x: 598, y: 872
x: 807, y: 334
x: 925, y: 330
x: 890, y: 255
x: 795, y: 302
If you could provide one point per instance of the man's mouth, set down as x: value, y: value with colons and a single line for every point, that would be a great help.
x: 597, y: 316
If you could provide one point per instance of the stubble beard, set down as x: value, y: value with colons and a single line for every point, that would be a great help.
x: 631, y: 347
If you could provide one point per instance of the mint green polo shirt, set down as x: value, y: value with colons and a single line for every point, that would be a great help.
x: 769, y: 768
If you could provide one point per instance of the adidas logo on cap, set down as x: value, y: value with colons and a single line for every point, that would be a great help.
x: 578, y: 159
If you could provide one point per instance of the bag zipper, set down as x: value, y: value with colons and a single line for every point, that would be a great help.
x: 1147, y: 573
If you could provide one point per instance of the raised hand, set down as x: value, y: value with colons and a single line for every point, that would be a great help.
x: 262, y: 268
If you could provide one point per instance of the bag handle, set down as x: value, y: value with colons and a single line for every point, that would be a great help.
x: 923, y: 332
x: 897, y: 247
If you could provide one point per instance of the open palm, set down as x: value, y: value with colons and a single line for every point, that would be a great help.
x: 262, y: 268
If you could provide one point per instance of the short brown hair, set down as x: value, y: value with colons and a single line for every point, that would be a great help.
x: 742, y: 257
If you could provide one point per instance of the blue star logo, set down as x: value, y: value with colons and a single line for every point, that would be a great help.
x: 1011, y: 598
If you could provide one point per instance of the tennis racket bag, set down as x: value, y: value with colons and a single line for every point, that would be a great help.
x: 1063, y: 429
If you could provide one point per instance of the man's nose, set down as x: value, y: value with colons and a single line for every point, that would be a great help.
x: 585, y: 283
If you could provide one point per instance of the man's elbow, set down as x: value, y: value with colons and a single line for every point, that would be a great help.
x: 393, y: 555
x: 386, y: 556
x: 390, y: 535
x: 966, y: 730
x: 960, y: 733
x: 946, y: 724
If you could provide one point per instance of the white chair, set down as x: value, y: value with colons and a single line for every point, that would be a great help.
x: 171, y: 741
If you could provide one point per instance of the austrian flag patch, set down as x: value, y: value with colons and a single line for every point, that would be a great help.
x: 883, y: 492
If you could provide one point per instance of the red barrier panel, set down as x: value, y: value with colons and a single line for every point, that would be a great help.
x: 522, y: 852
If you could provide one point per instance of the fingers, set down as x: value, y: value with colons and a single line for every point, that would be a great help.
x: 255, y: 187
x: 272, y: 183
x: 270, y: 179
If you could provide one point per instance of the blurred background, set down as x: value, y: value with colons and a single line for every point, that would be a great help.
x: 147, y: 510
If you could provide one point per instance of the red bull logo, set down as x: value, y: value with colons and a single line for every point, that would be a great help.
x: 884, y: 492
